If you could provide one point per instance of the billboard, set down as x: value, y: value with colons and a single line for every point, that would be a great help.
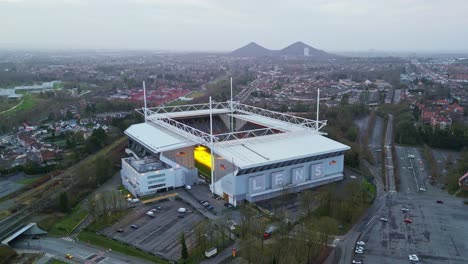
x: 256, y: 184
x: 317, y: 171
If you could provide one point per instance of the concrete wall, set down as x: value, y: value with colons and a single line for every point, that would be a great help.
x: 183, y: 157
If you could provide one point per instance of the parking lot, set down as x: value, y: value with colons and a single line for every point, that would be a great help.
x: 159, y: 235
x: 202, y: 192
x: 438, y: 231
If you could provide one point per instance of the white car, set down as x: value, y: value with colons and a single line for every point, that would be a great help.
x: 357, y: 251
x: 383, y: 219
x: 413, y: 257
x: 181, y: 210
x: 361, y: 243
x: 405, y: 210
x: 360, y: 248
x: 422, y: 189
x: 357, y: 262
x: 411, y: 156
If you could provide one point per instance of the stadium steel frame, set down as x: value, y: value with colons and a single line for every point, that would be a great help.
x: 158, y: 115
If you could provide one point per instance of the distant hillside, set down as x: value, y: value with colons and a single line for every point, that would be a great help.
x: 297, y: 49
x: 301, y: 49
x: 251, y: 50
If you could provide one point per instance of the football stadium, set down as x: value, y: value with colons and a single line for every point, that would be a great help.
x: 243, y: 152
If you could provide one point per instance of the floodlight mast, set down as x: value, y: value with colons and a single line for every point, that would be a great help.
x: 318, y: 110
x: 231, y: 126
x: 211, y: 148
x: 145, y: 110
x: 231, y: 97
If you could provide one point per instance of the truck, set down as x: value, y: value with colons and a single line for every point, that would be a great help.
x: 211, y: 252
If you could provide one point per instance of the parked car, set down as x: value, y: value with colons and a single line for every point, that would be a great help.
x: 206, y: 204
x: 270, y: 230
x: 357, y: 251
x: 181, y: 216
x: 439, y: 202
x: 120, y: 230
x: 68, y: 256
x: 182, y: 210
x: 383, y: 219
x: 209, y: 207
x: 361, y: 243
x: 422, y: 189
x: 35, y: 237
x: 413, y: 257
x: 408, y: 221
x: 357, y: 262
x: 134, y: 226
x: 405, y: 210
x: 360, y: 248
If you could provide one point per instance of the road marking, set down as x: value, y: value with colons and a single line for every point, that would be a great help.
x: 371, y: 220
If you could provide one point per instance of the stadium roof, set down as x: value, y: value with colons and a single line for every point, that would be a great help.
x: 268, y: 122
x: 270, y: 149
x: 157, y: 138
x: 193, y: 113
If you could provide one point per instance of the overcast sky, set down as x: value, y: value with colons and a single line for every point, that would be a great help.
x: 223, y: 25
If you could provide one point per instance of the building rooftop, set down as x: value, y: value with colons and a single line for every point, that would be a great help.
x: 156, y: 138
x: 269, y: 149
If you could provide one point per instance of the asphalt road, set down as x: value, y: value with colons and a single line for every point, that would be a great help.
x: 82, y: 253
x: 390, y: 179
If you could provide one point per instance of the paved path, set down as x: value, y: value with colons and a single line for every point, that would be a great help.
x: 13, y: 108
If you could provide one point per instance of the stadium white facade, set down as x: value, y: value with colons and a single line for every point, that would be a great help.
x: 245, y: 152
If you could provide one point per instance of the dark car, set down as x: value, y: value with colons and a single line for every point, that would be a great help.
x: 35, y: 237
x: 120, y: 230
x: 181, y: 216
x: 134, y: 226
x: 440, y: 202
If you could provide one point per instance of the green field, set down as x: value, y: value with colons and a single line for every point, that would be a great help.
x: 27, y: 181
x: 56, y: 261
x: 66, y: 225
x: 29, y: 101
x: 196, y: 94
x: 104, y: 242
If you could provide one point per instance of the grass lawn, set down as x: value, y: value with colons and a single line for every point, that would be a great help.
x: 56, y: 261
x: 27, y: 181
x: 28, y: 103
x: 66, y: 225
x: 196, y: 94
x: 107, y: 221
x: 104, y: 242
